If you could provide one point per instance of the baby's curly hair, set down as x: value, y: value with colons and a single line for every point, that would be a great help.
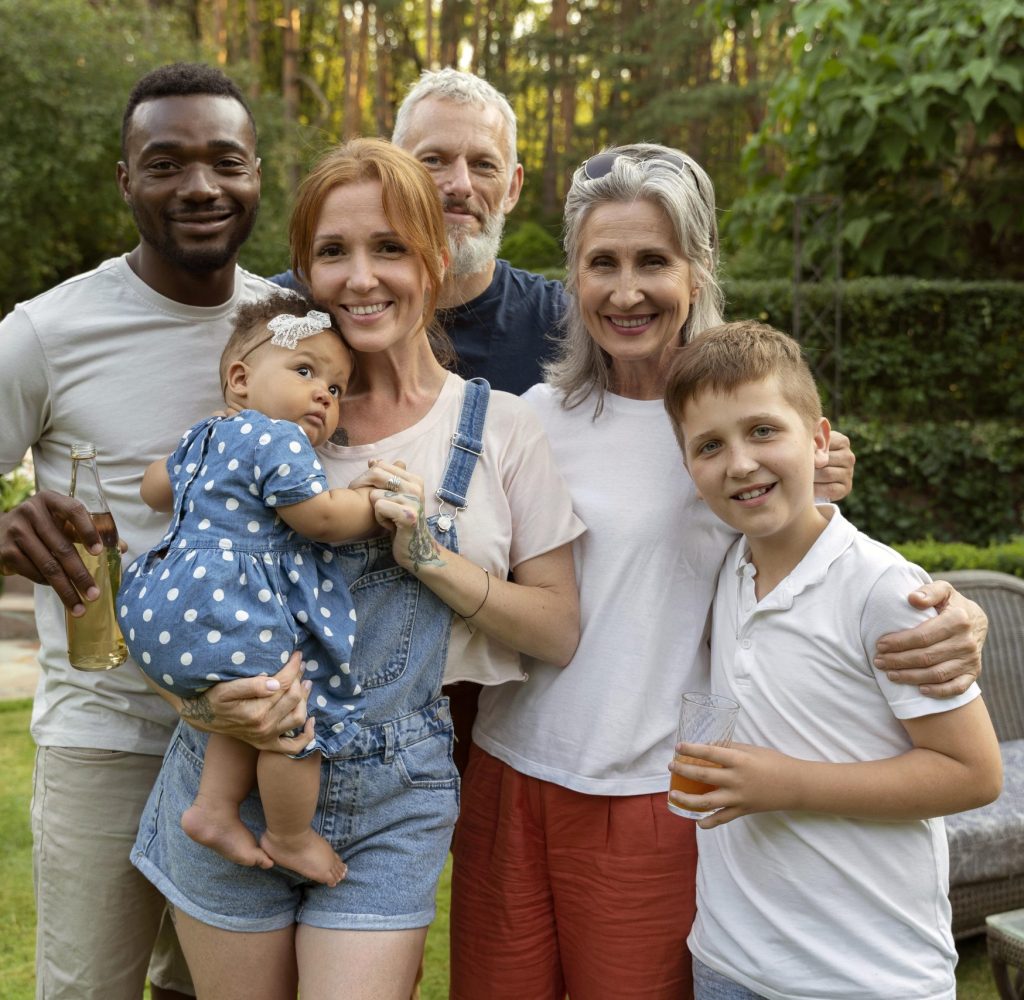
x: 250, y: 321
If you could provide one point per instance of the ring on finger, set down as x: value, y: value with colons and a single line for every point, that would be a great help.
x: 393, y: 484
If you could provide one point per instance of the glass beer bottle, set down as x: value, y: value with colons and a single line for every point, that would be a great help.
x: 94, y: 639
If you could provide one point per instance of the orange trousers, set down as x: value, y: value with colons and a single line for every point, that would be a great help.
x: 557, y: 892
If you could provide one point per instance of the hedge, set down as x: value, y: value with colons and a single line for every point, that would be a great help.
x: 533, y: 247
x: 951, y: 480
x: 910, y: 349
x: 938, y: 557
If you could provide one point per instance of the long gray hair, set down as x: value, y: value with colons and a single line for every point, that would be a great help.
x: 687, y: 197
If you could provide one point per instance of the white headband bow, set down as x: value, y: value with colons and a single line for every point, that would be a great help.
x: 288, y: 330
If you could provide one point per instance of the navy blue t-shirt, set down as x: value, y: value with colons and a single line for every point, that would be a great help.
x: 506, y: 333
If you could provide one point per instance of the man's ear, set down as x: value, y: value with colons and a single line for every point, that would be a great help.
x: 123, y: 181
x: 515, y: 189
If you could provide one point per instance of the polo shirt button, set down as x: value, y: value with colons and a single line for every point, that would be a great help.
x: 746, y: 644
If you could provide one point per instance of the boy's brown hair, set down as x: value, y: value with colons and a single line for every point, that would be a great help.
x: 725, y: 357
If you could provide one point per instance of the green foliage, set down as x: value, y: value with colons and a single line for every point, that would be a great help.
x: 71, y: 64
x: 940, y: 557
x: 280, y: 145
x: 66, y: 67
x: 910, y: 349
x: 910, y: 110
x: 17, y: 913
x: 932, y: 398
x: 531, y: 246
x: 952, y: 480
x: 14, y: 487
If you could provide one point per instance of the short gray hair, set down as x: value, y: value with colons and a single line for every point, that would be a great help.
x: 687, y: 197
x: 463, y: 88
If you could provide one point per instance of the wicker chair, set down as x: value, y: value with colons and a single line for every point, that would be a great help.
x: 986, y: 846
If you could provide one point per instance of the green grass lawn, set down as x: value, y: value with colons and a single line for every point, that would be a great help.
x: 17, y: 916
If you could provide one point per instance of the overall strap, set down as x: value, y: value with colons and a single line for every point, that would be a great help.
x: 467, y: 447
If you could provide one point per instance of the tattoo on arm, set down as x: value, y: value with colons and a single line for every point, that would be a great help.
x: 422, y: 547
x: 197, y: 709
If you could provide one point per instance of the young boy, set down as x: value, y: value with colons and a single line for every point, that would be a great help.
x: 823, y: 875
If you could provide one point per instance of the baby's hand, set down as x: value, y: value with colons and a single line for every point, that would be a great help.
x: 749, y: 779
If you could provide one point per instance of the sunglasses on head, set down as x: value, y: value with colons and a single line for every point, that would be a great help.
x: 601, y: 165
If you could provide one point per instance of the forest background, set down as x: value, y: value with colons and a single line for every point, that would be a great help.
x: 906, y: 114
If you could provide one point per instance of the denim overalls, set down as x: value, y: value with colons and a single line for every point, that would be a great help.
x: 389, y: 801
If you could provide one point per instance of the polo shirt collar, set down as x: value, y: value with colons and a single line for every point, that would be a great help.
x: 837, y: 537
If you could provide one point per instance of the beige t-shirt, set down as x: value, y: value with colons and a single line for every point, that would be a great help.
x: 103, y: 358
x: 518, y: 504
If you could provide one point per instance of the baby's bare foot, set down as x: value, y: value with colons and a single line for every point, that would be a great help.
x: 306, y: 853
x: 221, y: 830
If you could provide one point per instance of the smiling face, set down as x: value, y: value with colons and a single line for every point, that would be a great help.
x: 364, y: 272
x: 304, y: 385
x: 192, y: 180
x: 752, y: 457
x: 465, y: 148
x: 635, y: 292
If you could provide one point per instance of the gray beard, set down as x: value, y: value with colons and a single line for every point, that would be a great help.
x: 471, y: 254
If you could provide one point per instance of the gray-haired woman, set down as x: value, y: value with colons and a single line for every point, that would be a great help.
x: 570, y: 873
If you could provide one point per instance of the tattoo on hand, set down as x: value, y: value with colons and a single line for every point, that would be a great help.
x: 422, y: 547
x: 197, y: 709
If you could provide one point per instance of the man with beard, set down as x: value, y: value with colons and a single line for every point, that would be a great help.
x: 503, y: 321
x: 124, y: 356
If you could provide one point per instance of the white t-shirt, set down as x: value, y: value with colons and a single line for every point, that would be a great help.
x: 802, y: 906
x: 646, y: 569
x: 518, y: 504
x: 104, y: 358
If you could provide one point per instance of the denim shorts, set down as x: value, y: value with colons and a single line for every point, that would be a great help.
x: 711, y: 985
x: 387, y: 807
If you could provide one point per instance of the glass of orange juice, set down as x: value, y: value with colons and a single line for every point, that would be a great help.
x: 703, y: 718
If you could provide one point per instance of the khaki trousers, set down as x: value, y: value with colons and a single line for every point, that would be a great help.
x: 100, y: 923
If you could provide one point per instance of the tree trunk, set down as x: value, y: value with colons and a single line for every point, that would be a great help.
x: 354, y: 117
x: 350, y: 121
x: 219, y: 10
x: 383, y: 106
x: 290, y: 79
x: 344, y: 35
x: 253, y: 33
x: 451, y: 22
x: 567, y: 113
x: 482, y: 52
x: 429, y: 31
x: 549, y: 169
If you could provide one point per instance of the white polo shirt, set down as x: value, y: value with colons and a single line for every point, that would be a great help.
x: 802, y: 905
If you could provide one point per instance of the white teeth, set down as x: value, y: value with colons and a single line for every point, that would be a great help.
x: 630, y: 324
x: 751, y: 494
x: 367, y: 310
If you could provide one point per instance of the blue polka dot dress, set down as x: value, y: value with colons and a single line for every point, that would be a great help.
x: 231, y: 591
